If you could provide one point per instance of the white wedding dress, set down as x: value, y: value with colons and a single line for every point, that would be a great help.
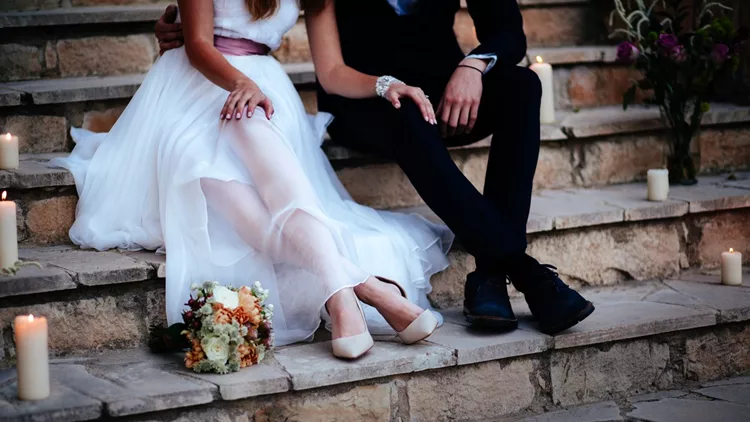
x: 241, y: 200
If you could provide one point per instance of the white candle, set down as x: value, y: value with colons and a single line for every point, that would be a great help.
x: 8, y: 152
x: 658, y: 184
x: 544, y: 71
x: 8, y: 232
x: 32, y: 357
x: 731, y: 268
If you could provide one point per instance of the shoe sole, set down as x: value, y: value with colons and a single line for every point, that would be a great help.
x: 555, y: 329
x: 491, y: 323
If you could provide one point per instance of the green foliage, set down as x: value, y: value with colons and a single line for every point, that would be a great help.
x: 16, y: 267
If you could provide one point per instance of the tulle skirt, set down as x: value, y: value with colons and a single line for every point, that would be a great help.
x: 241, y: 200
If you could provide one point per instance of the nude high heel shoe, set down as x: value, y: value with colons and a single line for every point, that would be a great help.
x: 420, y: 328
x: 353, y: 347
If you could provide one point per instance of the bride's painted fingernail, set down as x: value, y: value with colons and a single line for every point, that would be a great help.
x: 229, y: 116
x: 238, y: 115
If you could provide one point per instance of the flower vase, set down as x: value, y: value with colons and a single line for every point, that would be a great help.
x: 681, y: 160
x: 683, y: 127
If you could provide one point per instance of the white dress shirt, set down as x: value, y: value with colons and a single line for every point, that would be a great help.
x: 404, y: 7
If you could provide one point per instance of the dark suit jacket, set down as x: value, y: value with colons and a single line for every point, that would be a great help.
x: 421, y: 48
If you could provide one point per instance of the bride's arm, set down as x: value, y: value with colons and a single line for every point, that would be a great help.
x: 339, y: 79
x: 198, y: 28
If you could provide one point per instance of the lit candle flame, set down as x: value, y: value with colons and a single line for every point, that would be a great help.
x: 31, y: 318
x: 5, y: 195
x: 731, y: 250
x: 539, y: 59
x: 8, y: 136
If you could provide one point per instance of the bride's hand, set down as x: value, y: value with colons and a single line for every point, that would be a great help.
x: 399, y: 90
x: 246, y: 95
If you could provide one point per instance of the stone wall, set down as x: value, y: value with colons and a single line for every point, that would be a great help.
x: 24, y: 56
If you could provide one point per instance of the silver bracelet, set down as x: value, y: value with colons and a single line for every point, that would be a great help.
x: 383, y: 83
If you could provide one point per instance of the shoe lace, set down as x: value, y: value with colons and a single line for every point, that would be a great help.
x: 549, y: 274
x: 497, y: 284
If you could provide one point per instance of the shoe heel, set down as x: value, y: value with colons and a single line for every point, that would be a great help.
x: 353, y: 347
x: 420, y: 328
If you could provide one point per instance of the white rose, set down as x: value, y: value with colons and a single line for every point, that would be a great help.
x: 215, y: 349
x: 226, y: 297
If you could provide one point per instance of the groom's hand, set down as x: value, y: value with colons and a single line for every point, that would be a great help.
x: 167, y: 31
x: 459, y: 107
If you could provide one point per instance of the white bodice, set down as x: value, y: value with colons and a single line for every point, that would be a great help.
x: 232, y: 19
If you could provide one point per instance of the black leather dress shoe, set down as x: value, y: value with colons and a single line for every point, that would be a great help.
x: 554, y: 305
x: 486, y: 303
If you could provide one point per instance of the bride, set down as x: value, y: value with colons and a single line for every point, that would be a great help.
x: 216, y: 163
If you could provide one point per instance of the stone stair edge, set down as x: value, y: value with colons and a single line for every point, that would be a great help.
x: 588, y: 124
x: 90, y: 88
x: 652, y: 308
x: 144, y: 13
x: 67, y: 268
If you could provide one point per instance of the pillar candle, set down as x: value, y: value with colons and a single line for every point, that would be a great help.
x: 544, y: 71
x: 658, y: 184
x: 8, y: 152
x: 8, y: 232
x: 731, y: 268
x: 32, y: 357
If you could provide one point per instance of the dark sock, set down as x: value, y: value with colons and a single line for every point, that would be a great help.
x: 504, y: 264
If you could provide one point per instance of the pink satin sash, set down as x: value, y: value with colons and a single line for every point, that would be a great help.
x: 240, y: 47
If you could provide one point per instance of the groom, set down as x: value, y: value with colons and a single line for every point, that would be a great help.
x: 479, y: 95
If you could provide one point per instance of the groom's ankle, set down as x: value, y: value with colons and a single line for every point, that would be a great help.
x: 510, y: 264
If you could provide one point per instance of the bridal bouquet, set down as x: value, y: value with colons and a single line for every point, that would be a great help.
x: 227, y: 328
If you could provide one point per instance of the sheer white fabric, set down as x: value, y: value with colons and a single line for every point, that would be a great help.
x: 240, y: 201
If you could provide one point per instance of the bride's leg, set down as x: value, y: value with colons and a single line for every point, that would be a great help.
x: 242, y: 206
x: 298, y: 237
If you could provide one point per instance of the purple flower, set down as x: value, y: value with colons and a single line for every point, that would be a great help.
x: 252, y: 334
x: 720, y: 54
x: 627, y: 52
x: 668, y: 42
x: 678, y: 54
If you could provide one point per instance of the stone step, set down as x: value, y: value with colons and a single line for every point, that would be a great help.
x: 596, y: 237
x: 727, y: 399
x: 591, y: 148
x: 585, y: 76
x: 106, y: 40
x: 656, y: 338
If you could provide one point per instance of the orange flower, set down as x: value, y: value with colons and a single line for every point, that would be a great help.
x: 248, y: 355
x: 222, y: 315
x: 241, y: 316
x: 247, y: 299
x: 195, y: 355
x: 257, y: 314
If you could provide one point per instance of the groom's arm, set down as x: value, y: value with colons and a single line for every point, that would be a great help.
x: 500, y: 31
x: 167, y: 31
x: 499, y: 27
